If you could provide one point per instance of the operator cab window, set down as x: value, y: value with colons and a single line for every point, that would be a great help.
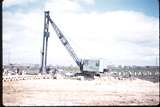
x: 97, y: 63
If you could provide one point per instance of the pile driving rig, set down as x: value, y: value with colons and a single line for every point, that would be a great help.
x: 87, y: 66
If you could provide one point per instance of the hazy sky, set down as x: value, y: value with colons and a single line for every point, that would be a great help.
x: 123, y: 32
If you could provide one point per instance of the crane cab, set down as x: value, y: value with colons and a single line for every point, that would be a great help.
x: 93, y: 65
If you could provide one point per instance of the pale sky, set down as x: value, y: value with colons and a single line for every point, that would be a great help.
x: 124, y: 32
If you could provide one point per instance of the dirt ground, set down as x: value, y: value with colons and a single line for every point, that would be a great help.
x: 104, y: 91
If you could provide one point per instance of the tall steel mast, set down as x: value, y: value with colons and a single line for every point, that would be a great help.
x: 45, y: 43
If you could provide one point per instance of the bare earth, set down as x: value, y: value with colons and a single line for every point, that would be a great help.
x: 102, y: 91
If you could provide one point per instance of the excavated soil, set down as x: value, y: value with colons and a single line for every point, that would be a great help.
x: 103, y: 91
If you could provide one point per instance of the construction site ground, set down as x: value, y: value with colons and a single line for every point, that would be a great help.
x: 101, y: 91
